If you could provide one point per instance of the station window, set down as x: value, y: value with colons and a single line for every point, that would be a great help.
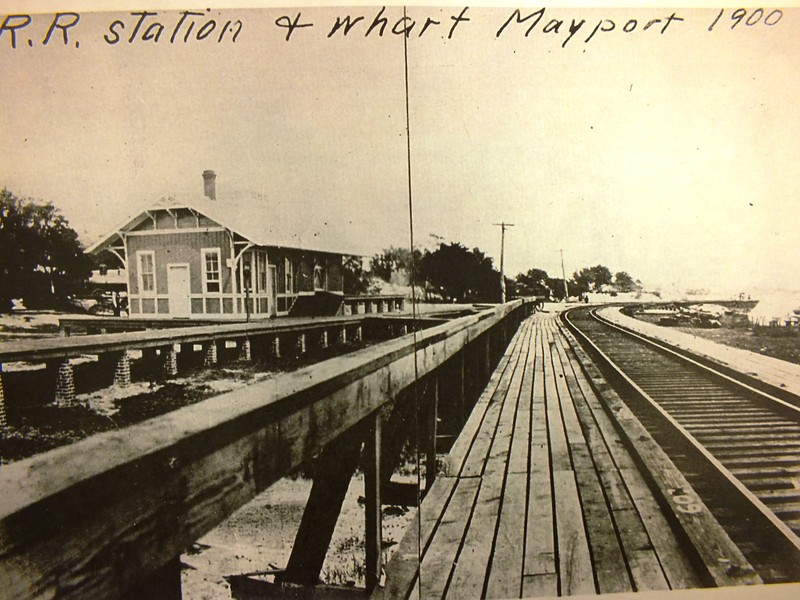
x: 147, y: 272
x: 288, y: 271
x: 261, y: 272
x: 211, y: 271
x: 319, y: 277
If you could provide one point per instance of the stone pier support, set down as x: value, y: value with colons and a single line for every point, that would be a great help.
x: 358, y: 333
x: 169, y: 365
x: 276, y: 347
x: 65, y: 382
x: 323, y: 339
x: 122, y: 369
x: 300, y: 345
x: 343, y: 334
x: 210, y: 354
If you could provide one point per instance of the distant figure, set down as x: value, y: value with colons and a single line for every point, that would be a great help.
x: 538, y: 305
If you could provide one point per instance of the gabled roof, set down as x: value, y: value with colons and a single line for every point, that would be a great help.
x: 258, y: 220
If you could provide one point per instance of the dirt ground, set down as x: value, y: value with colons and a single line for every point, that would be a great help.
x: 778, y: 342
x: 770, y: 341
x: 259, y: 537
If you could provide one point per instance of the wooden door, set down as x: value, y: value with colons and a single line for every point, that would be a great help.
x: 178, y: 288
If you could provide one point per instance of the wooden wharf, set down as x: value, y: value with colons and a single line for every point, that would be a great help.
x: 551, y: 487
x: 110, y: 516
x: 543, y: 495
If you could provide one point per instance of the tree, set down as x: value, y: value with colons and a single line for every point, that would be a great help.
x: 592, y: 279
x: 398, y: 262
x: 355, y: 280
x: 41, y: 259
x: 582, y: 280
x: 461, y: 275
x: 533, y: 283
x: 555, y: 286
x: 512, y: 289
x: 625, y: 283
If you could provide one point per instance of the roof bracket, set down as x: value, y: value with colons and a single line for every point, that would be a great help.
x: 242, y: 251
x: 174, y: 214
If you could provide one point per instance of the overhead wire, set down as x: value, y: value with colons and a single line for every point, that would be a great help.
x: 414, y: 315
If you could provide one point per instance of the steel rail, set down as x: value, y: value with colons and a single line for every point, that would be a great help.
x: 695, y: 415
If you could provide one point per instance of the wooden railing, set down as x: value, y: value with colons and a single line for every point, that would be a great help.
x: 164, y: 350
x: 379, y: 303
x: 110, y: 516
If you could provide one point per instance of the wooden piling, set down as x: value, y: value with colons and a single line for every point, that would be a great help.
x: 431, y: 429
x: 3, y: 418
x: 372, y: 509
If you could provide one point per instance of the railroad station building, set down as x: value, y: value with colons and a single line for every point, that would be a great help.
x: 202, y: 257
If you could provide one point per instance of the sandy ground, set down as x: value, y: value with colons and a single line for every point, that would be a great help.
x: 31, y: 325
x: 259, y: 537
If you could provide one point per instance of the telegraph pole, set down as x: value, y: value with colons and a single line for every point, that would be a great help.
x: 564, y: 276
x: 503, y: 226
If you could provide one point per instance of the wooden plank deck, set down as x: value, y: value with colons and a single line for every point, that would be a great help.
x: 539, y: 496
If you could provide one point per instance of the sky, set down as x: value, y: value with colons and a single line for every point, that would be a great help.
x: 669, y: 155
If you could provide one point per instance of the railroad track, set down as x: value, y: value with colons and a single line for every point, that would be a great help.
x: 739, y: 447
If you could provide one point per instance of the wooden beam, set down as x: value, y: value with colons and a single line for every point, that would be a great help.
x: 333, y: 471
x: 3, y: 419
x: 431, y: 411
x: 487, y: 358
x: 372, y: 492
x: 398, y: 423
x: 461, y: 392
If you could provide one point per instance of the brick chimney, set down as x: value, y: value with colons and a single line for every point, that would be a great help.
x: 210, y: 184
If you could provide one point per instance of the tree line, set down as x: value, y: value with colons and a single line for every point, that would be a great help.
x: 451, y: 272
x: 536, y: 282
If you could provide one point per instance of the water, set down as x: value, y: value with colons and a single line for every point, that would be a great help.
x: 774, y: 303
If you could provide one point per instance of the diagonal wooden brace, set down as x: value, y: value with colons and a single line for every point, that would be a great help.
x: 333, y: 470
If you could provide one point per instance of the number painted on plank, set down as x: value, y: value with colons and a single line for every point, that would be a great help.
x: 687, y: 504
